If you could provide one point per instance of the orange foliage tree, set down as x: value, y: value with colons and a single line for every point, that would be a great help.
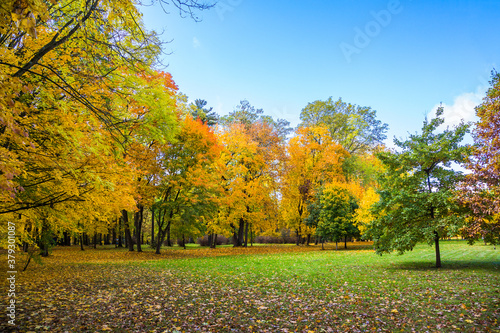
x: 314, y: 160
x: 481, y: 190
x: 77, y: 93
x: 188, y: 186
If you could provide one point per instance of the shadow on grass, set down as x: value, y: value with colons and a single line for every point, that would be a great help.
x: 350, y: 247
x: 448, y: 265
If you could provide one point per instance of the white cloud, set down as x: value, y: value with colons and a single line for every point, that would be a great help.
x: 463, y: 107
x: 196, y: 43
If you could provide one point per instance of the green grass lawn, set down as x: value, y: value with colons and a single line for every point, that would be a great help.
x: 264, y: 289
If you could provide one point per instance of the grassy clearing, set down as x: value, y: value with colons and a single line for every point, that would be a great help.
x: 263, y: 289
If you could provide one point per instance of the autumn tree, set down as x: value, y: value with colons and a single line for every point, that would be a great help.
x: 246, y: 182
x: 67, y: 73
x: 481, y: 189
x: 188, y: 185
x: 314, y: 160
x: 354, y: 127
x: 417, y: 200
x: 363, y: 216
x: 251, y: 169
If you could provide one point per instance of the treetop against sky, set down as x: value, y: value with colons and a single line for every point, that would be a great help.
x: 400, y: 57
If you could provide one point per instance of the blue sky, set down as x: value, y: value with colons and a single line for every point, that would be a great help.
x: 402, y: 58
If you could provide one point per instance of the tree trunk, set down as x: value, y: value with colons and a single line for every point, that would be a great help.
x: 128, y: 236
x: 241, y: 231
x: 138, y: 226
x: 322, y: 243
x: 94, y: 240
x: 215, y: 242
x: 308, y: 239
x: 298, y: 237
x: 336, y: 245
x: 169, y: 241
x: 64, y: 241
x: 120, y: 238
x: 235, y: 237
x: 210, y: 240
x: 161, y: 236
x: 345, y: 242
x: 246, y: 234
x: 44, y: 239
x: 152, y: 226
x: 438, y: 253
x: 141, y: 223
x: 25, y: 244
x: 81, y: 242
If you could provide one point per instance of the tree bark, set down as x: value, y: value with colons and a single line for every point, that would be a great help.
x: 128, y: 236
x: 138, y: 226
x: 152, y: 226
x: 120, y: 239
x: 345, y: 242
x: 215, y: 242
x: 159, y: 240
x: 241, y: 231
x: 438, y: 253
x: 161, y: 235
x: 169, y: 241
x: 246, y: 234
x: 44, y: 239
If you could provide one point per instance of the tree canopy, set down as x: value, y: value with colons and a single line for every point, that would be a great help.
x: 417, y: 191
x: 481, y: 190
x: 354, y: 127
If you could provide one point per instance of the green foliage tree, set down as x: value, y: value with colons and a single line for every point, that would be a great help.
x: 244, y: 113
x: 332, y: 213
x: 417, y: 189
x: 354, y: 127
x: 201, y: 112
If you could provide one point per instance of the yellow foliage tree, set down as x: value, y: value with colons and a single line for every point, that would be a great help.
x: 314, y: 159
